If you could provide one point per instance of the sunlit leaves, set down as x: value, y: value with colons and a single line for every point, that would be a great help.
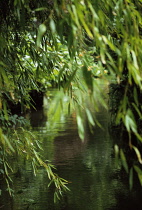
x: 138, y: 154
x: 52, y: 26
x: 26, y: 145
x: 90, y: 118
x: 40, y: 9
x: 130, y: 121
x: 60, y: 184
x: 5, y: 142
x: 82, y: 19
x: 41, y: 31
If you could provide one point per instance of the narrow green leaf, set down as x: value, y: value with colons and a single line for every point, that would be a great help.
x: 130, y: 121
x: 80, y: 127
x: 90, y: 118
x: 116, y: 150
x: 83, y: 21
x: 41, y: 31
x: 7, y: 141
x: 52, y: 26
x: 50, y: 183
x: 135, y: 94
x: 138, y: 154
x: 87, y: 75
x: 139, y: 173
x: 137, y: 110
x: 40, y: 9
x: 134, y: 59
x: 123, y: 159
x: 70, y: 79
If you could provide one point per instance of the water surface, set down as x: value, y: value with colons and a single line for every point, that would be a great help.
x: 95, y: 182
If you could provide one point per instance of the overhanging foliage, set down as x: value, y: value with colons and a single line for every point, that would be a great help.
x: 71, y: 43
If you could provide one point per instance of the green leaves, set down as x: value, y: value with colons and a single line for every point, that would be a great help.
x: 130, y: 121
x: 5, y: 142
x: 81, y: 130
x: 87, y: 76
x: 90, y: 117
x: 40, y: 9
x: 139, y: 173
x: 74, y: 41
x: 52, y: 26
x: 138, y: 154
x: 123, y: 159
x: 41, y: 32
x: 119, y: 153
x: 24, y: 143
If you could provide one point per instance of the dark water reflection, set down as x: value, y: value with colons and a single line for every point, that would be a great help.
x: 95, y: 182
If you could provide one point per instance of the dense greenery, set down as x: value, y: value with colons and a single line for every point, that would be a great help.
x: 69, y: 44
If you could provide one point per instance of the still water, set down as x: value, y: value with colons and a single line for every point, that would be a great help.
x: 95, y: 181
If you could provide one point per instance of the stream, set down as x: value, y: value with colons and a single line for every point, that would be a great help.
x: 95, y: 182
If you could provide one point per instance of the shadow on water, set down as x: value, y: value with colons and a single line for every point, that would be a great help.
x: 95, y: 182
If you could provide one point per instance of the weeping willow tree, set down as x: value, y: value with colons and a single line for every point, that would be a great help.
x: 70, y: 43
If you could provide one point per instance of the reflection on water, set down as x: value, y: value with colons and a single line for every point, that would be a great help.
x: 95, y: 183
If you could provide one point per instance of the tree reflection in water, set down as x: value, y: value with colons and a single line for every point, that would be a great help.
x: 89, y: 166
